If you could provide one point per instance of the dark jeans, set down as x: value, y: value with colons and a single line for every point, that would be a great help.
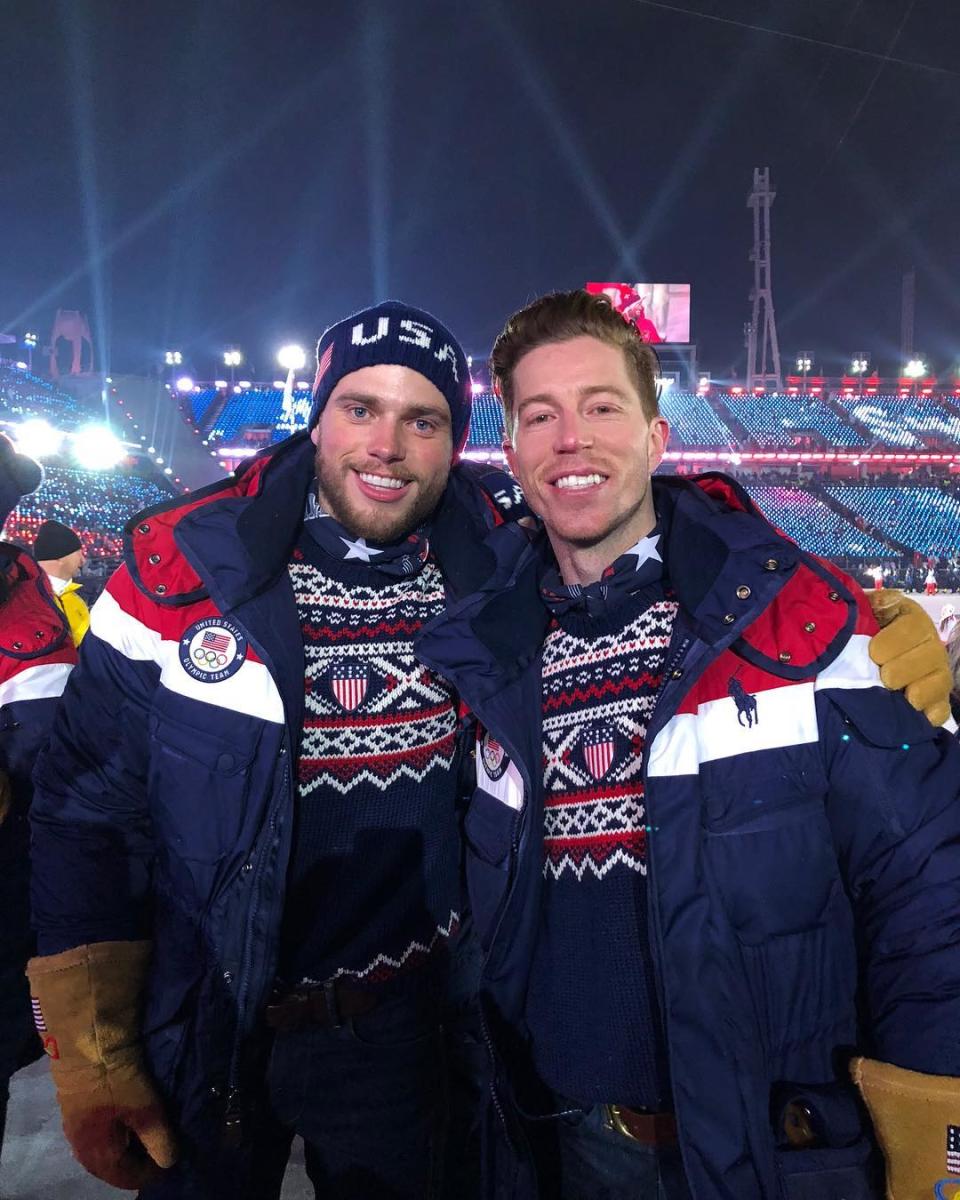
x: 367, y: 1100
x: 586, y: 1160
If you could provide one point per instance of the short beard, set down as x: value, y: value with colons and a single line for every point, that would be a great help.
x: 385, y: 526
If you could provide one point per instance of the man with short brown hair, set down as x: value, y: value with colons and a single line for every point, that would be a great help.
x: 712, y: 860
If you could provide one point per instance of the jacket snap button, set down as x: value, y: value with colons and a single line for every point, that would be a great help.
x: 143, y: 528
x: 160, y: 588
x: 771, y: 564
x: 247, y: 868
x: 834, y: 595
x: 39, y: 635
x: 18, y: 645
x: 810, y: 626
x: 225, y: 762
x: 154, y: 559
x: 785, y: 656
x: 743, y: 592
x: 728, y: 618
x: 228, y: 977
x: 677, y: 674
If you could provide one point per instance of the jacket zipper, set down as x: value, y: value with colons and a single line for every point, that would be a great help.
x: 232, y: 1121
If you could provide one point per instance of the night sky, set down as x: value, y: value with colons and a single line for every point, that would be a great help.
x: 201, y: 174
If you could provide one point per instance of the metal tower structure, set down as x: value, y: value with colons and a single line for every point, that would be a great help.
x: 908, y: 296
x: 763, y: 350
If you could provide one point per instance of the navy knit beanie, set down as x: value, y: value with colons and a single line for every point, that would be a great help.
x: 398, y: 334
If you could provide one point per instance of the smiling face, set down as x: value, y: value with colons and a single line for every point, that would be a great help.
x: 583, y: 451
x: 384, y: 447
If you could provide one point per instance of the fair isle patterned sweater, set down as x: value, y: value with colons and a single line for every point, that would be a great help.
x: 592, y: 1003
x: 373, y: 887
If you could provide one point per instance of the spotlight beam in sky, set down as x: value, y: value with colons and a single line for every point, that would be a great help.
x: 295, y: 99
x: 530, y: 75
x: 375, y: 69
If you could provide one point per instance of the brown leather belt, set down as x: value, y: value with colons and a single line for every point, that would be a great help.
x: 651, y: 1129
x: 327, y: 1005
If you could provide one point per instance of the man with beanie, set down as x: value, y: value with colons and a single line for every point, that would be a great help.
x: 246, y: 839
x: 59, y: 552
x: 36, y: 656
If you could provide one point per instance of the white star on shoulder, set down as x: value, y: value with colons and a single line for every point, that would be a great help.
x: 359, y: 549
x: 645, y: 549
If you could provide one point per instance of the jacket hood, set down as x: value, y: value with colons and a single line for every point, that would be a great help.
x: 33, y: 625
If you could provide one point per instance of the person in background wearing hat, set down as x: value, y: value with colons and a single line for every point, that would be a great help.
x: 245, y: 837
x: 59, y: 552
x: 36, y: 656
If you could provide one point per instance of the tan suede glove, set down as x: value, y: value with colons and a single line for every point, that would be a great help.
x: 913, y: 1117
x: 87, y: 1005
x: 910, y: 655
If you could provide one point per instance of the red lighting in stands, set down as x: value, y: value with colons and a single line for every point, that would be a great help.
x: 758, y: 391
x: 927, y: 391
x: 815, y: 391
x: 793, y: 391
x: 736, y: 391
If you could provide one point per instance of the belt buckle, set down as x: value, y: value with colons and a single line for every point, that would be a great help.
x: 614, y: 1120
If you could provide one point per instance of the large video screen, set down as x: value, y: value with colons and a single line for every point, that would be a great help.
x: 660, y: 311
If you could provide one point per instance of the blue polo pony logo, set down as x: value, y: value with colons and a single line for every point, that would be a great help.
x: 746, y: 704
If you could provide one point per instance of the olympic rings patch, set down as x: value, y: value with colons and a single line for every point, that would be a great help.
x: 212, y: 650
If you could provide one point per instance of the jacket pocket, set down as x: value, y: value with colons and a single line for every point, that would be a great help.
x: 844, y: 1173
x: 488, y: 831
x: 198, y: 785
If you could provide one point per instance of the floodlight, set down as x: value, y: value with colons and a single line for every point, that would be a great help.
x: 37, y: 438
x: 804, y: 363
x: 244, y: 384
x: 159, y: 462
x: 292, y: 357
x: 96, y: 448
x: 860, y: 365
x: 30, y: 339
x: 173, y: 358
x: 219, y: 383
x: 168, y: 470
x: 915, y: 368
x: 184, y: 384
x: 278, y: 383
x: 232, y: 358
x: 476, y: 388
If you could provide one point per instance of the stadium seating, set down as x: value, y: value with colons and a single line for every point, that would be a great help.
x: 199, y: 403
x: 486, y: 421
x: 25, y: 395
x: 774, y: 421
x: 923, y: 518
x: 813, y: 525
x: 97, y: 504
x: 907, y: 422
x: 693, y: 423
x: 252, y: 406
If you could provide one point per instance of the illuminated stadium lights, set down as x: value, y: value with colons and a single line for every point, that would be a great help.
x: 860, y: 365
x: 38, y: 438
x: 916, y: 368
x: 173, y: 358
x: 168, y: 470
x: 22, y: 366
x: 292, y: 357
x: 96, y: 448
x: 159, y: 462
x: 278, y: 383
x: 704, y: 383
x: 243, y: 385
x: 804, y: 362
x: 232, y: 358
x: 184, y: 384
x: 30, y: 339
x: 476, y: 388
x: 151, y: 449
x: 219, y: 383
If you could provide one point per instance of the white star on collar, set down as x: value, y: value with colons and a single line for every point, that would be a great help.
x: 358, y: 549
x: 645, y: 549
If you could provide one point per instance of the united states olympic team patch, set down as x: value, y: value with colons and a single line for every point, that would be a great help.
x: 212, y: 650
x: 495, y: 760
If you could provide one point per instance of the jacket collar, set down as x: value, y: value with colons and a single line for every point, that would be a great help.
x: 725, y: 563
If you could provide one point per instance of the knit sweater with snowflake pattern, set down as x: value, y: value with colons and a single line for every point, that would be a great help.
x: 592, y: 1005
x: 373, y: 885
